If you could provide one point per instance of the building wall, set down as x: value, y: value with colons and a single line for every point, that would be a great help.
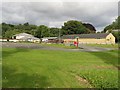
x: 19, y: 37
x: 110, y: 39
x: 92, y: 40
x: 86, y: 41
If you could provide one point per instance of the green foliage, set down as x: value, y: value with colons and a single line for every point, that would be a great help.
x: 45, y: 32
x: 114, y: 25
x: 42, y: 31
x: 10, y: 33
x: 26, y: 27
x: 117, y: 36
x: 54, y: 32
x: 90, y: 27
x: 99, y: 79
x: 74, y: 27
x: 38, y: 32
x: 5, y: 27
x: 70, y: 27
x: 0, y: 31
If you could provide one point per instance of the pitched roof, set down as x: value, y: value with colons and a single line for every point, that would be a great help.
x: 49, y: 37
x: 95, y: 35
x: 23, y: 34
x: 33, y: 38
x: 27, y: 36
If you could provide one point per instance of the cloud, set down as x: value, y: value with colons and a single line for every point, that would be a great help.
x: 55, y: 14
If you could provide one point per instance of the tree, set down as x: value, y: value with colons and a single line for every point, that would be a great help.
x: 42, y: 31
x: 114, y: 25
x: 10, y: 33
x: 111, y: 27
x: 0, y: 30
x: 74, y: 27
x: 54, y: 32
x: 90, y: 27
x: 5, y: 27
x: 26, y: 24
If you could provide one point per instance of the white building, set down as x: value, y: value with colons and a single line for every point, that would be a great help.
x: 26, y: 37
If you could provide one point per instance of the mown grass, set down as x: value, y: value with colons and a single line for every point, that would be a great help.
x: 26, y: 68
x: 104, y: 45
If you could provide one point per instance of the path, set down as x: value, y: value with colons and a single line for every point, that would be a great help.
x: 39, y: 46
x: 91, y: 48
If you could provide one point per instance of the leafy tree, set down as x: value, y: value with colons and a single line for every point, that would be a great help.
x: 38, y: 32
x: 45, y: 32
x: 117, y: 36
x: 0, y: 30
x: 42, y: 31
x: 113, y: 26
x: 26, y: 24
x: 5, y: 27
x: 54, y: 32
x: 74, y: 27
x: 10, y: 33
x: 90, y: 27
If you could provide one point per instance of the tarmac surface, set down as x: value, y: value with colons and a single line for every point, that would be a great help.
x: 82, y: 47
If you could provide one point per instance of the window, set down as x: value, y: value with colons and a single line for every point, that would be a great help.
x: 97, y: 38
x: 14, y: 37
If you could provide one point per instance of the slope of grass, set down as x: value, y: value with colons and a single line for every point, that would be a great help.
x: 25, y: 68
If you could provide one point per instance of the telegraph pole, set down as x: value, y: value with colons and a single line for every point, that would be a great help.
x: 59, y: 35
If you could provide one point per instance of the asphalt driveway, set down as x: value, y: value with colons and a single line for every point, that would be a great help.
x: 93, y: 49
x: 82, y: 47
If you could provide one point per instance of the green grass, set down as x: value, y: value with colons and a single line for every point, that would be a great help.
x: 104, y: 45
x: 59, y: 46
x: 25, y: 68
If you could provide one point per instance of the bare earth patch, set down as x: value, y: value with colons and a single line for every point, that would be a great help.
x: 83, y: 81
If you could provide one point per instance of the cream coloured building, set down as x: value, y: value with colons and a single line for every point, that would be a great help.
x: 25, y: 37
x: 96, y: 38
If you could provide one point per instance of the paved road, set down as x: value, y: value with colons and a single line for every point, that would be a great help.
x: 91, y: 48
x: 38, y: 46
x: 34, y: 46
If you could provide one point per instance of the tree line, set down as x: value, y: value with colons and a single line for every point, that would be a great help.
x: 114, y: 26
x: 69, y: 27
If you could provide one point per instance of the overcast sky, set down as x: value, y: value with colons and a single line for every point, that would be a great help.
x: 54, y: 14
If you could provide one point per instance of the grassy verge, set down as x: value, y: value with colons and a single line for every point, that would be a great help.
x: 104, y: 45
x: 26, y: 68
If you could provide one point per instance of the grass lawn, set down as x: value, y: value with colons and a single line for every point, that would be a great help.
x: 26, y: 68
x: 104, y: 45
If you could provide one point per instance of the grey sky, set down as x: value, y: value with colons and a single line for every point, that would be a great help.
x: 55, y: 14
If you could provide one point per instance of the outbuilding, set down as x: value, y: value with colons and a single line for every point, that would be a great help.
x: 96, y: 38
x: 26, y: 37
